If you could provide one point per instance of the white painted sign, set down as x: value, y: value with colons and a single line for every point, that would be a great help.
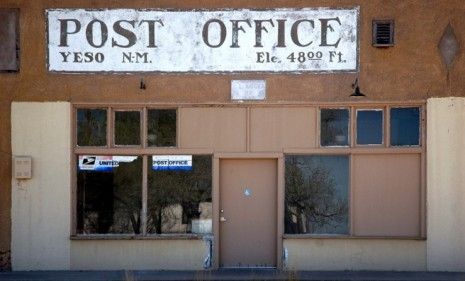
x: 248, y: 89
x: 171, y: 162
x: 129, y: 40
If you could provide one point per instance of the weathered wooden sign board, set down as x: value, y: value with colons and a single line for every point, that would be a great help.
x: 130, y: 40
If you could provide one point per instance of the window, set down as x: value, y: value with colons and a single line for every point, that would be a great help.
x: 161, y: 127
x: 109, y: 194
x: 366, y: 178
x: 180, y: 201
x: 91, y: 127
x: 9, y: 40
x: 127, y: 128
x: 369, y: 126
x: 120, y: 194
x: 334, y: 127
x: 316, y: 194
x: 405, y: 126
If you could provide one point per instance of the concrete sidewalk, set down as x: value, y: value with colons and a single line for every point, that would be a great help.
x: 227, y: 274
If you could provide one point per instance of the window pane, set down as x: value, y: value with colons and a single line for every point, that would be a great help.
x: 316, y: 194
x: 127, y: 128
x: 109, y: 194
x: 405, y: 126
x: 9, y: 39
x: 369, y: 127
x: 91, y: 127
x: 161, y: 127
x: 180, y: 201
x: 334, y: 127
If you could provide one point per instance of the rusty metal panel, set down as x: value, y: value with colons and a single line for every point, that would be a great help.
x: 9, y: 39
x: 203, y: 41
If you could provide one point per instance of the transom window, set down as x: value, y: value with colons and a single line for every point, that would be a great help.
x: 370, y: 127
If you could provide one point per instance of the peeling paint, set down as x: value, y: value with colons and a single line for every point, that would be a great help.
x: 208, y: 240
x: 285, y: 257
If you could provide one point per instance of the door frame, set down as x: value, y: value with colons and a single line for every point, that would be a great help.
x: 279, y: 157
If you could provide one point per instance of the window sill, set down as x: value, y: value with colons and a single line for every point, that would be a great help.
x: 342, y: 236
x: 138, y: 237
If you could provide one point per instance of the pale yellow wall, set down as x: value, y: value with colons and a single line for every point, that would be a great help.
x: 446, y: 184
x: 138, y: 254
x: 355, y: 254
x: 41, y: 205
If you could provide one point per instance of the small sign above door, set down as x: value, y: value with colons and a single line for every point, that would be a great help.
x: 248, y: 89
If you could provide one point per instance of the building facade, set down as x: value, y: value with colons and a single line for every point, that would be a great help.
x: 298, y: 135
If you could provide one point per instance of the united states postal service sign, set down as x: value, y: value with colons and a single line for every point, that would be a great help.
x: 130, y: 40
x: 172, y: 162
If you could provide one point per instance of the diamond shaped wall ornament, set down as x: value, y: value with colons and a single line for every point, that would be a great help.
x: 448, y: 46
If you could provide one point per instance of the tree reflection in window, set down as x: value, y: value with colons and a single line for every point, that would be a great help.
x: 127, y: 128
x: 180, y: 201
x: 316, y: 194
x: 161, y: 127
x: 109, y: 198
x: 334, y: 127
x: 91, y: 127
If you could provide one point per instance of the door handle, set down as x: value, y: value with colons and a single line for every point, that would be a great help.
x: 222, y: 219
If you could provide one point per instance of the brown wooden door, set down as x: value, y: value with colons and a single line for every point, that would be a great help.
x: 248, y: 191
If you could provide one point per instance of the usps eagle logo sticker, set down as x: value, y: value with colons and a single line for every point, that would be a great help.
x: 87, y: 162
x: 102, y: 163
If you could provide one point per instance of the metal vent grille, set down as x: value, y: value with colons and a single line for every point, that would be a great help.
x: 383, y: 33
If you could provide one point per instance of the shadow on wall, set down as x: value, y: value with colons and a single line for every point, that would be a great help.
x: 5, y: 261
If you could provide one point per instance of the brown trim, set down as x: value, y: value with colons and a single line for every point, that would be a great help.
x: 109, y: 128
x: 423, y: 177
x: 280, y: 211
x: 248, y: 129
x: 336, y: 104
x: 357, y: 150
x: 216, y: 211
x: 140, y: 151
x: 351, y: 196
x: 387, y: 126
x: 254, y: 155
x: 352, y: 126
x: 326, y: 236
x: 178, y: 128
x: 316, y: 117
x: 73, y: 178
x: 137, y: 237
x: 144, y: 128
x: 144, y: 194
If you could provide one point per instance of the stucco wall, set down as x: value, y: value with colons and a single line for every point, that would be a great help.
x: 446, y: 184
x: 355, y: 254
x: 138, y: 254
x: 41, y: 205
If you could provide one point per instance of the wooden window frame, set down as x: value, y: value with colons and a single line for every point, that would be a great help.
x: 385, y: 148
x: 143, y: 150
